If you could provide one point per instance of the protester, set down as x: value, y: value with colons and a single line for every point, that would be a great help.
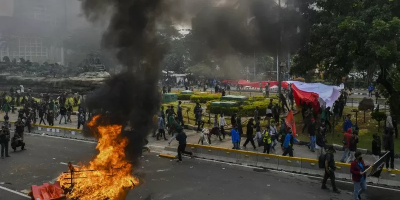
x: 273, y: 131
x: 180, y: 115
x: 222, y: 124
x: 256, y: 114
x: 352, y: 147
x: 288, y: 143
x: 176, y: 129
x: 240, y: 127
x: 330, y: 169
x: 4, y: 141
x: 376, y: 147
x: 267, y: 141
x: 81, y: 119
x: 347, y: 123
x: 235, y: 137
x: 19, y: 127
x: 233, y: 119
x: 358, y: 174
x: 181, y: 138
x: 63, y: 113
x: 388, y: 141
x: 307, y: 118
x: 370, y: 89
x: 50, y: 119
x: 258, y: 138
x: 346, y: 144
x: 161, y: 128
x: 311, y: 132
x: 69, y: 113
x: 249, y: 134
x: 320, y: 142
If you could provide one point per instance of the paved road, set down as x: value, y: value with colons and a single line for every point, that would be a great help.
x: 164, y: 179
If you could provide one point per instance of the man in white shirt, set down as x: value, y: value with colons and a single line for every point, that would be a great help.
x: 222, y: 123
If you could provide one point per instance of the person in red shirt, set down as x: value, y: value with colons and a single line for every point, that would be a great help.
x: 358, y: 171
x: 346, y: 144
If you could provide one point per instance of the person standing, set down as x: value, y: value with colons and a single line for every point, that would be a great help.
x: 6, y: 107
x: 179, y: 113
x: 347, y: 123
x: 346, y: 144
x: 4, y: 141
x: 69, y: 113
x: 376, y: 147
x: 81, y: 119
x: 233, y: 120
x: 41, y: 116
x: 258, y: 137
x: 370, y: 89
x: 389, y: 146
x: 307, y: 118
x: 311, y: 132
x: 240, y: 127
x: 249, y: 134
x: 267, y: 141
x: 256, y: 114
x: 222, y: 124
x: 358, y: 175
x: 235, y: 137
x: 63, y: 113
x: 161, y: 128
x: 267, y: 90
x: 330, y: 169
x: 181, y: 138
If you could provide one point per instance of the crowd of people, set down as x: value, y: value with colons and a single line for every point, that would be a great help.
x: 31, y: 111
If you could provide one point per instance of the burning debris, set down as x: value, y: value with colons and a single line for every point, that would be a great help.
x: 108, y: 175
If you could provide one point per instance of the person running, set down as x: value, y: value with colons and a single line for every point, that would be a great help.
x: 181, y: 138
x: 176, y: 129
x: 330, y: 169
x: 249, y: 134
x: 358, y: 175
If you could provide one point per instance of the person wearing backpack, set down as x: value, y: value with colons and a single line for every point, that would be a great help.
x: 358, y: 171
x: 288, y: 143
x: 330, y: 168
x: 352, y: 148
x: 346, y: 143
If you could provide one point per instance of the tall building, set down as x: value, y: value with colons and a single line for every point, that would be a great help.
x: 32, y: 29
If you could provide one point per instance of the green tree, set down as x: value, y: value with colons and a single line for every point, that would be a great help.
x: 353, y: 34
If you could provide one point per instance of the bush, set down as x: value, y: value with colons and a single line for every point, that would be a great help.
x: 204, y: 98
x: 247, y: 108
x: 378, y: 116
x: 184, y: 97
x: 257, y: 98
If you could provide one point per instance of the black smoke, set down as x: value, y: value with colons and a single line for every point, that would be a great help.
x: 131, y: 98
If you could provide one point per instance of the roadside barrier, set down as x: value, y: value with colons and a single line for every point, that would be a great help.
x: 284, y: 163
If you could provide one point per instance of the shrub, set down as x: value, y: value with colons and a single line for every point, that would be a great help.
x: 247, y: 108
x: 257, y: 98
x: 184, y: 97
x: 204, y: 98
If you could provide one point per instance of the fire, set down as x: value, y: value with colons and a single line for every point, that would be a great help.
x: 109, y: 174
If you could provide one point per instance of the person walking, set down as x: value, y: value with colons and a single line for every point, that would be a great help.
x: 63, y: 113
x: 4, y: 141
x: 346, y: 144
x: 222, y: 124
x: 288, y: 143
x: 41, y: 116
x: 330, y: 169
x: 235, y: 137
x: 352, y: 148
x: 249, y: 134
x: 179, y: 113
x: 358, y: 171
x: 256, y: 114
x: 161, y: 128
x: 273, y: 131
x: 389, y: 146
x: 50, y: 118
x: 370, y: 89
x: 320, y: 142
x: 240, y: 127
x: 181, y: 138
x: 258, y: 137
x: 307, y: 118
x: 81, y: 119
x: 176, y: 128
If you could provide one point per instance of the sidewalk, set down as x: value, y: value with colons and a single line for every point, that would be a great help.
x: 74, y: 118
x: 299, y: 151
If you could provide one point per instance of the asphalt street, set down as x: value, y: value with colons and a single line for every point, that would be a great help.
x: 194, y: 179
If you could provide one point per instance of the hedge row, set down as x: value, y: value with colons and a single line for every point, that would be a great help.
x: 184, y: 97
x: 246, y: 109
x: 204, y: 98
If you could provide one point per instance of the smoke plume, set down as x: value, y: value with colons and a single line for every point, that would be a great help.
x: 131, y: 98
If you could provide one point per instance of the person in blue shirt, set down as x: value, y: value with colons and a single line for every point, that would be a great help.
x: 235, y: 137
x: 370, y: 89
x: 288, y: 143
x: 347, y: 123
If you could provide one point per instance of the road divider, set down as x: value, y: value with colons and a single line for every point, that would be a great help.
x: 284, y: 163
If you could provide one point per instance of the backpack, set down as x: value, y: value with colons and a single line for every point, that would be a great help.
x: 321, y: 161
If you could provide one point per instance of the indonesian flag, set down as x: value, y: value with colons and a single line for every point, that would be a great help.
x: 289, y: 121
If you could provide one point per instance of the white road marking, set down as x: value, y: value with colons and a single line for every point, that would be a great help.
x: 15, y: 192
x: 49, y: 136
x: 63, y: 163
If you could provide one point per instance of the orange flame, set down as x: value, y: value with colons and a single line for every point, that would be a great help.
x: 109, y: 174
